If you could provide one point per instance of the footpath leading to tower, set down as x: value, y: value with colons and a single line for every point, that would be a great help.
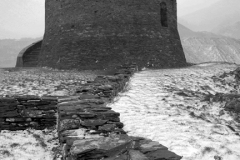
x: 193, y: 111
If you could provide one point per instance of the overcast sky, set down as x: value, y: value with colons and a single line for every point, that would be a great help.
x: 25, y: 18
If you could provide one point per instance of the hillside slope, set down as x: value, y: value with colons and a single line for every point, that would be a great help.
x: 205, y: 46
x: 186, y: 7
x: 200, y: 49
x: 232, y: 30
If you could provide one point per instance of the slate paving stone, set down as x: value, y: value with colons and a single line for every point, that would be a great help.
x: 72, y: 107
x: 88, y: 96
x: 108, y: 146
x: 107, y: 127
x: 146, y: 146
x: 67, y: 124
x: 6, y: 99
x: 95, y: 122
x: 16, y: 119
x: 10, y: 114
x: 136, y: 155
x: 103, y: 109
x: 7, y: 108
x: 162, y: 154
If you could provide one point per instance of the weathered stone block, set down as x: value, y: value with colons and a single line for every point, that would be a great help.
x: 107, y: 127
x: 146, y: 146
x: 7, y: 99
x: 88, y: 96
x: 163, y: 154
x: 9, y: 114
x: 32, y: 113
x: 108, y: 146
x: 118, y: 124
x: 93, y: 123
x: 68, y: 124
x: 136, y: 155
x: 71, y: 98
x: 27, y: 97
x: 16, y: 119
x: 7, y: 108
x: 47, y: 107
x: 105, y: 87
x: 102, y: 109
x: 49, y: 99
x: 69, y: 108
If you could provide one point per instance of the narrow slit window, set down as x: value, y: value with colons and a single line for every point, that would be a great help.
x: 163, y: 12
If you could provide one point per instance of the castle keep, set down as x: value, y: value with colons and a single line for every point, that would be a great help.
x: 99, y: 34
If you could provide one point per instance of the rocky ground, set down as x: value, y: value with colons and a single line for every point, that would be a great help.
x: 32, y: 144
x: 42, y: 81
x: 28, y: 145
x: 193, y: 111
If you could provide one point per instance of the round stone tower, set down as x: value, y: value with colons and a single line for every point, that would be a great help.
x: 100, y: 34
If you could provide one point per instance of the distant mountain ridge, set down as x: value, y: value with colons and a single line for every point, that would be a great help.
x: 202, y: 47
x: 186, y: 32
x: 230, y: 30
x: 186, y: 7
x: 214, y: 18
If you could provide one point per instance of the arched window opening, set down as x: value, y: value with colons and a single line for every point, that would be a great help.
x: 163, y: 13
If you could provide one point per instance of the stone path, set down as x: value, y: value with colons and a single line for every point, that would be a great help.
x: 168, y: 106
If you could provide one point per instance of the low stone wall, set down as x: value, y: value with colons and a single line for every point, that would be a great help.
x: 28, y: 57
x: 22, y: 112
x: 88, y: 130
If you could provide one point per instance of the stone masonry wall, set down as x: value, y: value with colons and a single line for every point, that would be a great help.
x: 94, y: 34
x: 28, y: 57
x: 22, y: 112
x: 89, y: 130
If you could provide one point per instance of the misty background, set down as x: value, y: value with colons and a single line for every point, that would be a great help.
x: 209, y: 29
